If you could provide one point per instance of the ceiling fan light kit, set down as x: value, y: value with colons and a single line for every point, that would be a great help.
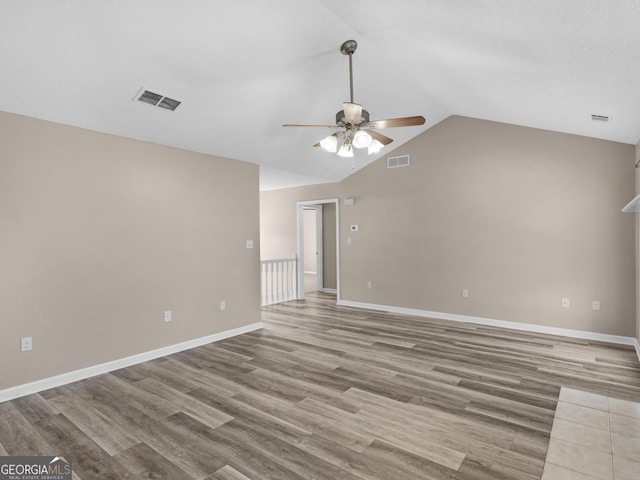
x: 353, y: 122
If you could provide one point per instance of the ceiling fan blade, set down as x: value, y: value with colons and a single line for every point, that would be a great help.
x: 381, y: 138
x: 397, y: 122
x: 309, y: 126
x: 352, y: 112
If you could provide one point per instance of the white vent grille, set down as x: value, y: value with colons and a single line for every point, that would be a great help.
x: 396, y: 162
x: 156, y: 99
x: 600, y: 118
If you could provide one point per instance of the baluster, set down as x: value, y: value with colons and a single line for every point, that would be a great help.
x: 297, y: 294
x: 262, y: 284
x: 288, y: 273
x: 273, y: 284
x: 279, y: 281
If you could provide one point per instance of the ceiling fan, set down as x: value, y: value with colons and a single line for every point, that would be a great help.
x: 353, y: 125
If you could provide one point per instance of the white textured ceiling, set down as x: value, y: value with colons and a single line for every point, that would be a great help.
x: 243, y: 68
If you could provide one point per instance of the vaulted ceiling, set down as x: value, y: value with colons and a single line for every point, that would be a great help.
x: 243, y: 68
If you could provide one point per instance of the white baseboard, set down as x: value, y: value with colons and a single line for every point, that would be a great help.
x: 603, y: 337
x: 329, y: 290
x: 76, y: 375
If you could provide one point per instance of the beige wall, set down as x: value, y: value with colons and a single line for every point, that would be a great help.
x: 278, y: 218
x: 520, y: 217
x: 329, y: 245
x: 101, y: 234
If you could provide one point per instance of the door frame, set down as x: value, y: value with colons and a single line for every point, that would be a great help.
x: 300, y: 241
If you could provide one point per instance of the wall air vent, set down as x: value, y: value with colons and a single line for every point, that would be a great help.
x: 396, y: 162
x: 156, y: 99
x: 600, y: 118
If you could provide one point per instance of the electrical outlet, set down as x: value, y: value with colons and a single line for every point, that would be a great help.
x: 249, y: 243
x: 465, y: 293
x: 167, y: 316
x: 369, y: 284
x: 566, y: 303
x: 595, y: 305
x: 223, y: 305
x: 26, y: 344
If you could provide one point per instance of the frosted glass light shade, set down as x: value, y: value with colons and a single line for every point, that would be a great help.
x: 330, y: 144
x: 374, y: 147
x: 345, y: 151
x: 361, y: 139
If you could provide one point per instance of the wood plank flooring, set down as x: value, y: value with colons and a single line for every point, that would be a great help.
x: 325, y: 392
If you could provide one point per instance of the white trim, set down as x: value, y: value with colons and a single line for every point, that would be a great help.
x: 300, y: 250
x: 319, y: 247
x: 310, y: 273
x: 637, y: 345
x: 632, y: 206
x: 604, y: 337
x: 76, y: 375
x: 329, y: 290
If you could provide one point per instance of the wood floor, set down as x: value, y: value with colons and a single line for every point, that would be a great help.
x: 325, y: 392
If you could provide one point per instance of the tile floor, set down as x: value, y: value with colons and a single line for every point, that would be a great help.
x: 593, y: 437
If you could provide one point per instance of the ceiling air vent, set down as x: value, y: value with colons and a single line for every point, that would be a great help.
x: 395, y: 162
x: 600, y: 118
x: 156, y: 99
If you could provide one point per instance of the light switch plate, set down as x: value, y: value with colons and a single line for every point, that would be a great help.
x: 26, y: 344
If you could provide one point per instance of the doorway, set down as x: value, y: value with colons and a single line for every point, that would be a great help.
x: 318, y: 246
x: 312, y: 248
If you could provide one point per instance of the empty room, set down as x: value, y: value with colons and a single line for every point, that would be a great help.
x: 319, y: 239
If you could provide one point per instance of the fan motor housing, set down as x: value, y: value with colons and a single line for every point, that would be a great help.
x: 340, y: 119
